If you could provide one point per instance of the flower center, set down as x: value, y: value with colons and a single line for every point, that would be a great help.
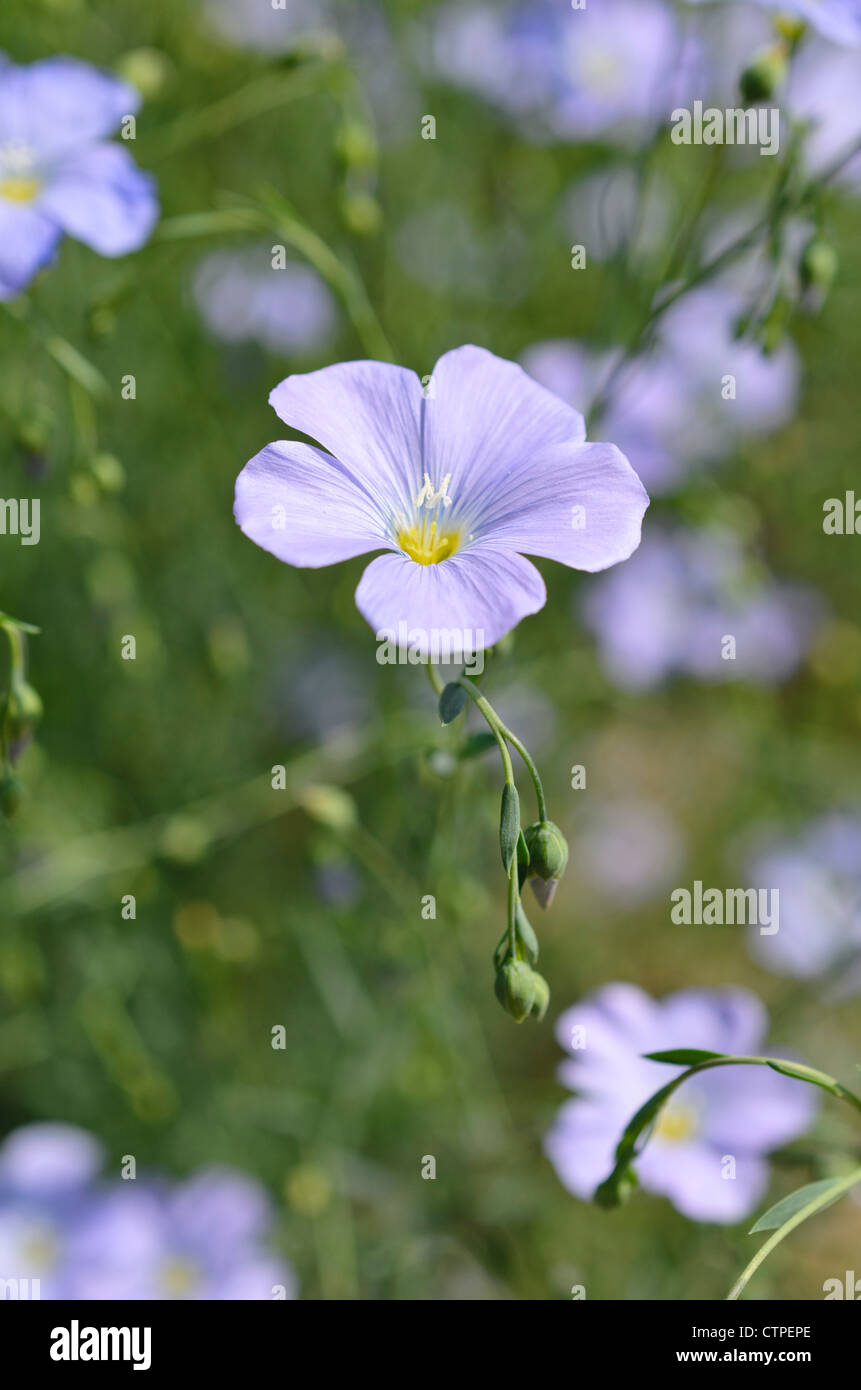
x: 430, y: 539
x: 18, y: 180
x: 40, y: 1249
x: 19, y: 190
x: 676, y: 1123
x: 178, y: 1276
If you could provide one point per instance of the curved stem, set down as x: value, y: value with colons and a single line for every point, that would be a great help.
x: 531, y: 769
x: 496, y: 726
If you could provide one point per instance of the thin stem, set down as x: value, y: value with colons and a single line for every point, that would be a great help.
x: 531, y: 768
x: 434, y: 678
x: 494, y: 724
x: 824, y: 1200
x: 512, y: 907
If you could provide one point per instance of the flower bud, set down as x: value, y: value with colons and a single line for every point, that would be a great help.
x: 10, y: 795
x: 818, y: 265
x: 515, y: 988
x: 548, y: 856
x: 616, y: 1190
x: 764, y: 74
x: 23, y: 710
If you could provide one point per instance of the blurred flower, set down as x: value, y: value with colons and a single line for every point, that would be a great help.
x: 738, y: 1113
x: 454, y: 484
x: 258, y: 24
x: 130, y: 1239
x: 617, y: 69
x: 631, y: 849
x: 441, y: 248
x: 58, y: 174
x: 603, y: 212
x: 823, y: 90
x: 672, y: 607
x: 242, y: 297
x: 818, y: 877
x: 667, y: 410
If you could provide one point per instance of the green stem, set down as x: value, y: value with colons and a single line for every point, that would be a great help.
x: 824, y: 1200
x: 494, y: 723
x: 645, y: 1116
x: 512, y: 907
x: 531, y: 769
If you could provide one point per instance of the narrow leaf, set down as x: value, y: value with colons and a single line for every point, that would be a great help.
x: 683, y: 1056
x: 788, y: 1206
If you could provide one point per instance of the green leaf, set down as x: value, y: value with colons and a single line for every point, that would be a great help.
x: 683, y: 1056
x: 788, y: 1206
x: 451, y: 702
x: 509, y: 823
x: 477, y: 744
x: 523, y: 857
x: 809, y: 1200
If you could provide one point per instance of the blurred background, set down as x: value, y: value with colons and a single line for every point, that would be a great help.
x: 301, y: 908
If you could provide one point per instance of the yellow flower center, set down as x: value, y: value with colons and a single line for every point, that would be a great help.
x: 676, y: 1123
x: 178, y: 1277
x: 19, y: 188
x: 428, y: 540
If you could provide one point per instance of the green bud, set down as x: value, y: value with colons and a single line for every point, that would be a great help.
x: 548, y: 857
x: 515, y: 988
x: 356, y: 145
x: 818, y: 265
x: 10, y: 795
x: 616, y: 1190
x: 361, y: 213
x: 23, y: 710
x: 764, y: 74
x: 145, y: 68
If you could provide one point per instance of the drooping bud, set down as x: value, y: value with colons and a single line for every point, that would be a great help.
x: 818, y: 265
x: 548, y: 857
x: 764, y: 74
x: 515, y: 988
x: 616, y: 1190
x: 10, y: 795
x: 24, y: 709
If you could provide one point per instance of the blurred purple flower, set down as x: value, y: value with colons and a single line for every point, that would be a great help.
x: 823, y: 90
x: 670, y: 608
x: 258, y: 24
x: 615, y: 69
x: 241, y: 298
x: 608, y: 211
x: 200, y: 1239
x: 818, y: 877
x: 740, y: 1112
x: 630, y: 849
x: 667, y: 410
x: 455, y: 481
x: 58, y: 173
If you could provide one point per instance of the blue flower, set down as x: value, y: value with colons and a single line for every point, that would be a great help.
x: 738, y: 1113
x: 58, y: 172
